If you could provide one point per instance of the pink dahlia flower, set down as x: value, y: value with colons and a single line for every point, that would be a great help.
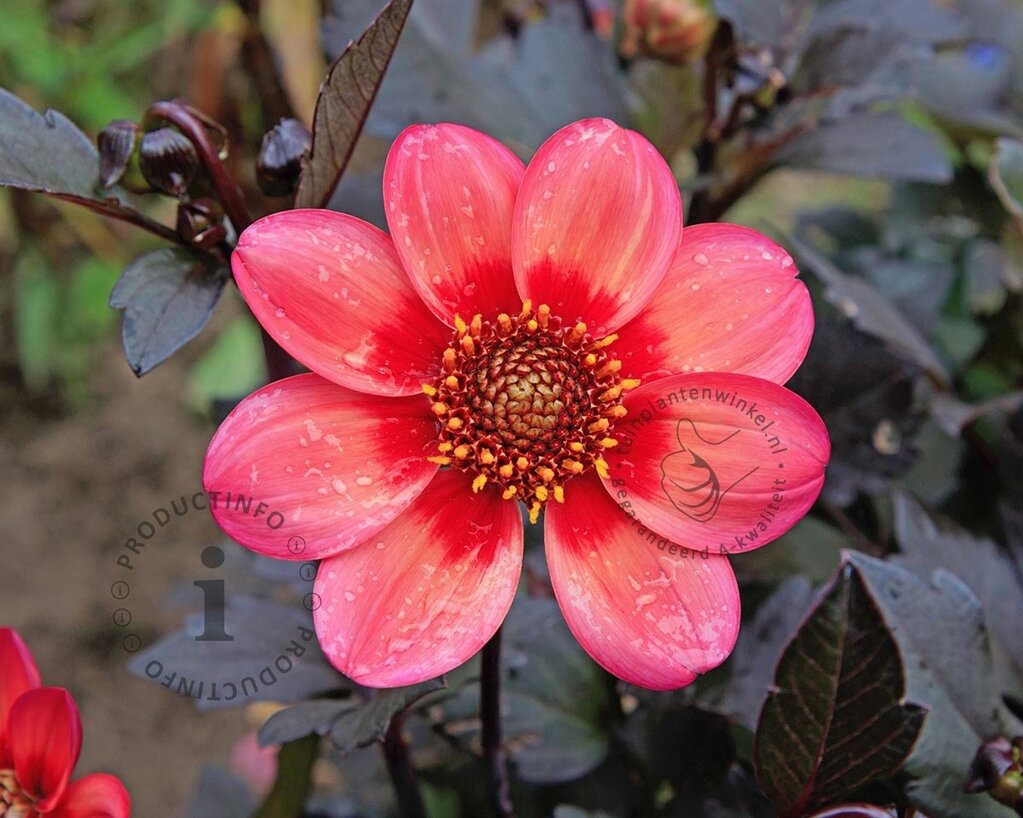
x: 577, y: 355
x: 40, y: 738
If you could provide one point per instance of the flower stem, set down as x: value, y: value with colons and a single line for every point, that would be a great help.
x: 403, y: 774
x: 490, y: 716
x: 278, y: 363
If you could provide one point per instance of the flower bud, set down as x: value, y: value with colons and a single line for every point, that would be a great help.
x: 201, y: 223
x: 280, y: 157
x: 118, y: 145
x: 168, y: 160
x: 677, y: 31
x: 997, y: 769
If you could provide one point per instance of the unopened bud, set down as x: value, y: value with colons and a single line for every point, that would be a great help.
x: 677, y: 31
x: 280, y: 157
x: 118, y: 145
x: 997, y: 769
x: 168, y: 160
x: 201, y: 223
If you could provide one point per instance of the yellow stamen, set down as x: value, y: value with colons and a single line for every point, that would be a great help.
x: 590, y: 360
x: 429, y: 390
x: 439, y: 408
x: 451, y: 382
x: 522, y: 464
x: 445, y: 446
x: 450, y: 359
x: 600, y: 464
x: 462, y: 451
x: 468, y: 345
x: 617, y: 412
x: 629, y: 383
x: 478, y: 483
x: 573, y: 466
x: 476, y: 325
x: 546, y: 474
x: 576, y: 446
x: 599, y: 426
x: 541, y: 493
x: 440, y: 460
x: 509, y: 492
x: 612, y: 393
x: 534, y: 512
x: 527, y: 308
x: 506, y: 470
x: 576, y: 335
x: 532, y: 325
x: 455, y: 423
x: 608, y: 442
x: 504, y: 323
x: 607, y: 341
x: 543, y: 314
x: 610, y: 368
x: 460, y: 326
x: 559, y: 494
x: 486, y: 458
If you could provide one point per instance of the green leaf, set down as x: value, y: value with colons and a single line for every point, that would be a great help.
x: 167, y: 296
x: 836, y: 718
x: 293, y: 783
x: 348, y: 723
x: 951, y: 664
x: 1006, y: 174
x: 46, y: 153
x: 876, y: 146
x: 344, y: 102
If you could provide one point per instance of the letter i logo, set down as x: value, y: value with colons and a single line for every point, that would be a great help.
x: 214, y: 600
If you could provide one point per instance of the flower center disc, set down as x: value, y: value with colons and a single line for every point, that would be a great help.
x: 526, y: 403
x: 13, y: 803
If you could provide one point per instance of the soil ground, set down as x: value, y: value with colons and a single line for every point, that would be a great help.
x: 72, y: 489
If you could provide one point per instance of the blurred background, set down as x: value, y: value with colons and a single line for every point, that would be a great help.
x: 878, y: 141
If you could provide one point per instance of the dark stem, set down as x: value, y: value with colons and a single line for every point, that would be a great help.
x: 228, y: 190
x: 490, y: 716
x: 278, y: 363
x: 403, y: 774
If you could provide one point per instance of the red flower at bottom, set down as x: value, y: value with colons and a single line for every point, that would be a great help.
x: 40, y: 738
x: 577, y: 354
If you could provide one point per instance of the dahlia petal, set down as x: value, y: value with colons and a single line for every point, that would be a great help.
x: 94, y: 796
x: 45, y: 737
x: 597, y: 222
x: 730, y: 303
x: 304, y: 468
x: 18, y: 673
x: 718, y: 462
x: 649, y: 613
x: 449, y: 193
x: 427, y: 592
x: 331, y: 291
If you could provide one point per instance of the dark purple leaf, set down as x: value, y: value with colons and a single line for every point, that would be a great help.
x: 344, y: 103
x: 46, y: 153
x: 167, y: 296
x: 836, y: 718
